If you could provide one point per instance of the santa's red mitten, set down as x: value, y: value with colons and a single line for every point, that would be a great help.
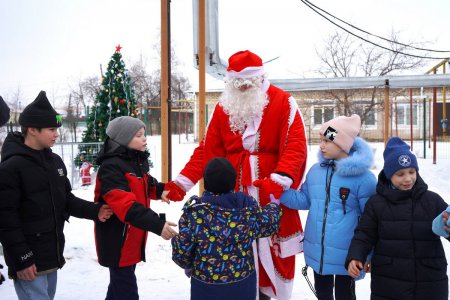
x: 266, y: 187
x: 176, y: 193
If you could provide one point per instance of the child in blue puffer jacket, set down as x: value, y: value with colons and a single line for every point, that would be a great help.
x: 335, y: 192
x: 216, y: 232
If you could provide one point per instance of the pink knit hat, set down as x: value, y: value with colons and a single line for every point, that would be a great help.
x: 342, y: 131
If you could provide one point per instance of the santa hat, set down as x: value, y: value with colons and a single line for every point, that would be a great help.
x: 398, y: 156
x: 245, y: 64
x: 342, y: 131
x: 40, y: 114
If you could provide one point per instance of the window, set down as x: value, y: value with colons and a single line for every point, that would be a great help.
x: 370, y: 120
x: 322, y: 114
x: 403, y: 114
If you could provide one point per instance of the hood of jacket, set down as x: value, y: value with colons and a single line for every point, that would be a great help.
x: 14, y: 145
x: 359, y: 160
x: 385, y: 189
x: 226, y: 217
x: 111, y: 149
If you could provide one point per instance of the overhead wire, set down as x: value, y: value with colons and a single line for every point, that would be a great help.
x: 366, y: 40
x: 380, y: 37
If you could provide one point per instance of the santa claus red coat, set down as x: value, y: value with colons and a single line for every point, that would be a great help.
x: 274, y: 144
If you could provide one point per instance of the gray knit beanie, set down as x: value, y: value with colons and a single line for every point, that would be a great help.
x: 123, y: 129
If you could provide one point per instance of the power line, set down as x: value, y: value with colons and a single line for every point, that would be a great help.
x: 380, y: 37
x: 366, y: 40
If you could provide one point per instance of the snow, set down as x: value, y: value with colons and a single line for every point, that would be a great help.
x: 159, y: 278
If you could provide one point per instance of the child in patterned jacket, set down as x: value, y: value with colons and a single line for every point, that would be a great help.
x: 216, y: 232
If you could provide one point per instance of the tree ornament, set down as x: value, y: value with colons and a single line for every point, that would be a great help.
x: 116, y: 99
x: 118, y: 110
x: 132, y: 115
x: 100, y: 124
x: 122, y: 101
x: 118, y: 47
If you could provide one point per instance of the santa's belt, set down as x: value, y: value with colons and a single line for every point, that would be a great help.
x: 244, y: 163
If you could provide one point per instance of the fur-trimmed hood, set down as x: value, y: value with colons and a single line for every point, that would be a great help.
x: 359, y: 160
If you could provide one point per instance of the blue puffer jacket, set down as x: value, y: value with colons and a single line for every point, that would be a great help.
x: 335, y: 192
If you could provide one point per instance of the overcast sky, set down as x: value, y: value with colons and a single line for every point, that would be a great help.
x: 48, y: 44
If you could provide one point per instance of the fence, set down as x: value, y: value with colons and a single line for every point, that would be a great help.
x: 70, y: 154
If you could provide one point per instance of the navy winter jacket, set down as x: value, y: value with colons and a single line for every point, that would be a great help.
x: 408, y: 258
x: 335, y: 193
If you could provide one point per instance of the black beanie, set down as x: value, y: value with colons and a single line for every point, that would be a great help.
x: 219, y: 176
x: 40, y: 114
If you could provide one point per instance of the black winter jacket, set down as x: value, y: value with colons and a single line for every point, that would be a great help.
x: 4, y: 112
x: 35, y: 201
x: 124, y: 184
x: 409, y: 260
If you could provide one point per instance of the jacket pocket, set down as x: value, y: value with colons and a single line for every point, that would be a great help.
x: 434, y: 263
x: 379, y: 261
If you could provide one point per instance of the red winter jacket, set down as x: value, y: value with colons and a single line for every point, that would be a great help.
x: 124, y: 184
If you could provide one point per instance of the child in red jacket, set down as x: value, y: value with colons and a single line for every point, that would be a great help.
x: 124, y: 183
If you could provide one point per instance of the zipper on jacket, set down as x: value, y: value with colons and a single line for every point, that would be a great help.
x: 325, y: 213
x: 58, y: 246
x: 144, y: 181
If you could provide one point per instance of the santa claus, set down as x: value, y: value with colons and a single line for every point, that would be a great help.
x: 259, y: 128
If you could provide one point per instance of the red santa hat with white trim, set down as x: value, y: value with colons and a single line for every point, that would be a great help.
x: 245, y: 64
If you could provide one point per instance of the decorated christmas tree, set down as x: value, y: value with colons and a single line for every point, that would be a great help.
x: 114, y: 99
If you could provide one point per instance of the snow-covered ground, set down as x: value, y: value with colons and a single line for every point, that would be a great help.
x: 159, y: 278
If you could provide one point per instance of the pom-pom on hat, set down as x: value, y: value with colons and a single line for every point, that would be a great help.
x: 123, y: 129
x: 219, y: 176
x: 342, y: 131
x: 398, y: 156
x: 245, y: 64
x: 40, y: 114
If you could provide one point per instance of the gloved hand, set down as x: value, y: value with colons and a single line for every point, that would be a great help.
x: 176, y: 193
x: 2, y: 278
x: 268, y: 186
x: 274, y: 200
x: 188, y: 272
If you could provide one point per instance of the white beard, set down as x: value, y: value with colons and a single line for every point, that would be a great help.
x: 242, y: 107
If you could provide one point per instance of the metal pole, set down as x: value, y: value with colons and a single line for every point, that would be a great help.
x: 411, y: 119
x: 386, y: 111
x: 396, y: 117
x: 201, y: 74
x: 434, y: 124
x: 444, y: 108
x: 166, y: 166
x: 424, y: 127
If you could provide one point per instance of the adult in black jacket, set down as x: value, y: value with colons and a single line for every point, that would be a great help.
x: 4, y: 112
x: 35, y: 201
x: 408, y: 259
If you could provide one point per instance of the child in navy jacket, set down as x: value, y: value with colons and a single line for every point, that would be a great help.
x: 335, y: 192
x: 408, y: 258
x: 217, y: 231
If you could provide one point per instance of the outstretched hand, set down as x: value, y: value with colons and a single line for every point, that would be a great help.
x: 267, y: 186
x: 168, y: 232
x: 105, y: 213
x: 172, y: 191
x: 274, y: 200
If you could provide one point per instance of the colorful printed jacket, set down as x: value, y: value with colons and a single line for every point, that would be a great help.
x: 216, y: 234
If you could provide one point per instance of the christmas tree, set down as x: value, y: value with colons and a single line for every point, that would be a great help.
x: 114, y: 99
